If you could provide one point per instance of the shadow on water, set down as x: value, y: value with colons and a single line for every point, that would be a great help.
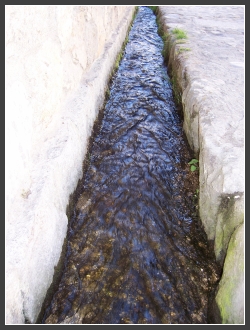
x: 136, y: 250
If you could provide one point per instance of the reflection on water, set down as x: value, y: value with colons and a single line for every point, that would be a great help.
x: 135, y: 252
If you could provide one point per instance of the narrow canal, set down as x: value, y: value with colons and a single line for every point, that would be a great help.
x: 136, y: 251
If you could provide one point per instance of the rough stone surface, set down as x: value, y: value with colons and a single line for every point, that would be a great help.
x: 231, y: 287
x: 210, y: 76
x: 58, y: 62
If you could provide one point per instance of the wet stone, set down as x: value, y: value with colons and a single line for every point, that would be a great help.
x: 136, y: 250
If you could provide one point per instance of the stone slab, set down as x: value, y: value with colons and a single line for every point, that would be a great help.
x: 210, y: 75
x: 58, y: 63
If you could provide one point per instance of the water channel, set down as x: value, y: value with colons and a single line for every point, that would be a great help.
x: 136, y: 251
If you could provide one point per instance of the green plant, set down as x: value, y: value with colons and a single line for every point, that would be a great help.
x: 153, y: 8
x: 179, y: 33
x: 176, y: 89
x: 196, y: 196
x: 118, y: 60
x: 107, y: 94
x: 183, y: 49
x: 135, y: 12
x: 196, y: 193
x: 192, y: 164
x: 160, y: 30
x: 180, y: 41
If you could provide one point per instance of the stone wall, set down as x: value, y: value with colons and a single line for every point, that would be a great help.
x: 208, y: 71
x: 58, y: 62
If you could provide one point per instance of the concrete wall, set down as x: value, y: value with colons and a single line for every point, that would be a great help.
x: 210, y: 78
x: 58, y: 62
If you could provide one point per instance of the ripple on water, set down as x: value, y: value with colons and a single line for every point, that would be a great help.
x: 136, y: 253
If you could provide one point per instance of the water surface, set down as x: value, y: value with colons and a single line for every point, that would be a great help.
x: 136, y: 252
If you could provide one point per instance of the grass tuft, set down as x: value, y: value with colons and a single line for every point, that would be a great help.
x: 183, y: 49
x: 179, y: 33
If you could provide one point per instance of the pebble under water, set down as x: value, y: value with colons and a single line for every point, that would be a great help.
x: 136, y: 250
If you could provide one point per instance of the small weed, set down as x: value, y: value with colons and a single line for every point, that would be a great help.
x: 165, y: 39
x: 196, y: 198
x: 192, y: 163
x: 179, y: 33
x: 183, y: 49
x: 196, y: 194
x: 180, y: 41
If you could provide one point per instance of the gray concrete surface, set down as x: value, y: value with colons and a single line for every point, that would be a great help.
x: 210, y: 76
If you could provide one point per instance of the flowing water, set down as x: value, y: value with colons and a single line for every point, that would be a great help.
x: 136, y: 251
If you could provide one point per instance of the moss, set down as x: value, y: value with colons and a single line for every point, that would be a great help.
x: 176, y: 88
x: 218, y: 243
x: 229, y: 297
x: 168, y: 47
x: 229, y: 217
x: 224, y: 300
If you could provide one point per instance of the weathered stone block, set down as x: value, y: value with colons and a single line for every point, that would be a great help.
x: 210, y: 81
x: 230, y: 296
x: 58, y: 63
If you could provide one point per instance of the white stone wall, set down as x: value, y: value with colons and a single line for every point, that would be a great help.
x: 58, y: 61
